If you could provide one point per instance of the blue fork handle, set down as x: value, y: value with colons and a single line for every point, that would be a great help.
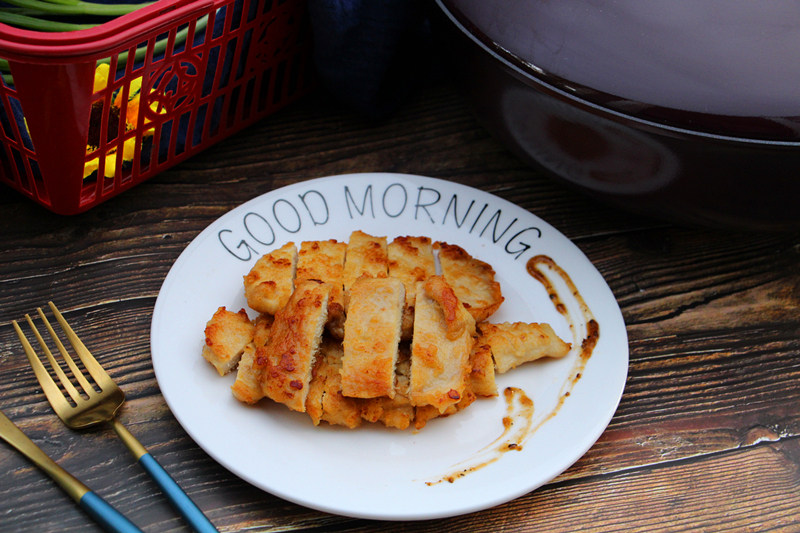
x: 109, y: 518
x: 185, y: 506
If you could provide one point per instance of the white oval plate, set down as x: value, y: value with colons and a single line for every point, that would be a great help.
x: 376, y: 472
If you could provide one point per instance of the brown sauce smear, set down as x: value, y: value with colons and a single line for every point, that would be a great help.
x: 588, y: 338
x: 585, y: 329
x: 516, y: 428
x: 518, y: 420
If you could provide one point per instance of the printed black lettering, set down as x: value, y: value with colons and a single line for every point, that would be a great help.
x: 478, y: 217
x: 403, y: 203
x: 321, y: 207
x: 522, y: 246
x: 425, y: 206
x: 242, y: 245
x: 255, y: 225
x: 348, y: 198
x: 299, y: 222
x: 454, y: 204
x: 496, y: 219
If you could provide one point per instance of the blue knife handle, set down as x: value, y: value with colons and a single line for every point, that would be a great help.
x: 109, y: 518
x: 176, y: 496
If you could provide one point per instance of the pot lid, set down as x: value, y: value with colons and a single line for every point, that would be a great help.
x: 726, y: 67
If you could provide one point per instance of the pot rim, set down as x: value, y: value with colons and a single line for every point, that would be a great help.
x: 564, y: 90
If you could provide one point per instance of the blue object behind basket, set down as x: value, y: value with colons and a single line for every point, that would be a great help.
x: 370, y: 54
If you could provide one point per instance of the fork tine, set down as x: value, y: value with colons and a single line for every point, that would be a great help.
x: 100, y: 376
x: 51, y: 390
x: 85, y: 385
x: 54, y: 364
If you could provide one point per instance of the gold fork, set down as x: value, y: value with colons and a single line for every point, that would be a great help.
x: 96, y: 404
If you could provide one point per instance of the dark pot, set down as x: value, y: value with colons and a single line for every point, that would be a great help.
x: 635, y: 103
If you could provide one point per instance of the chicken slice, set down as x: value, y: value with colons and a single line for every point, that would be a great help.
x: 270, y: 282
x: 513, y: 344
x: 440, y: 349
x: 472, y: 280
x: 288, y: 357
x: 410, y: 260
x: 226, y: 335
x: 371, y: 337
x: 324, y: 261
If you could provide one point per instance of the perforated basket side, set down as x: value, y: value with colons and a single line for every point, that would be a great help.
x: 71, y: 140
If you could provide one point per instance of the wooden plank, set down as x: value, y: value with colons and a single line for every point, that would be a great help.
x: 706, y: 436
x: 722, y: 492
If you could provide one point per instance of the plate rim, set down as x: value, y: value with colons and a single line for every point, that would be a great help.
x: 591, y: 434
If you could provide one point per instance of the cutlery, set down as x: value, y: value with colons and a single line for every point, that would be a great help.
x: 105, y: 515
x: 97, y: 403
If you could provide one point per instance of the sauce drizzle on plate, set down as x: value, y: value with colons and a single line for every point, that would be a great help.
x: 516, y: 428
x: 585, y: 329
x: 518, y: 422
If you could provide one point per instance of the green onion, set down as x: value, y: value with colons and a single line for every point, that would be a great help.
x: 29, y: 15
x: 33, y: 23
x: 76, y: 7
x: 65, y: 2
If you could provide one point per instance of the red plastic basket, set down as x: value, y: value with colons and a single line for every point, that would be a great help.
x: 182, y: 75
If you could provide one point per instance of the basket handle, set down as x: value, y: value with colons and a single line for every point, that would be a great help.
x: 41, y: 47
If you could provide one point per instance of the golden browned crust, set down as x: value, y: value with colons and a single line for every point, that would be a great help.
x: 366, y: 256
x: 396, y: 412
x: 455, y: 320
x: 247, y: 387
x: 270, y: 282
x: 288, y: 357
x: 371, y: 337
x: 410, y: 260
x: 472, y: 280
x: 439, y: 358
x: 321, y: 260
x: 263, y: 324
x: 324, y: 261
x: 481, y: 375
x: 374, y: 296
x: 513, y: 344
x: 325, y: 399
x: 425, y: 413
x: 226, y: 335
x: 316, y: 388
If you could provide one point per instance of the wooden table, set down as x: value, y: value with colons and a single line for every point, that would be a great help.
x: 706, y: 437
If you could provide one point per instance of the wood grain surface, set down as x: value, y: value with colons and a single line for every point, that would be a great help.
x: 706, y: 437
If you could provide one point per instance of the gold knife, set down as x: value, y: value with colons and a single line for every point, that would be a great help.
x: 108, y: 517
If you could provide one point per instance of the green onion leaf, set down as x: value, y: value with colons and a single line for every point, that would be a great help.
x: 78, y: 7
x: 38, y: 24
